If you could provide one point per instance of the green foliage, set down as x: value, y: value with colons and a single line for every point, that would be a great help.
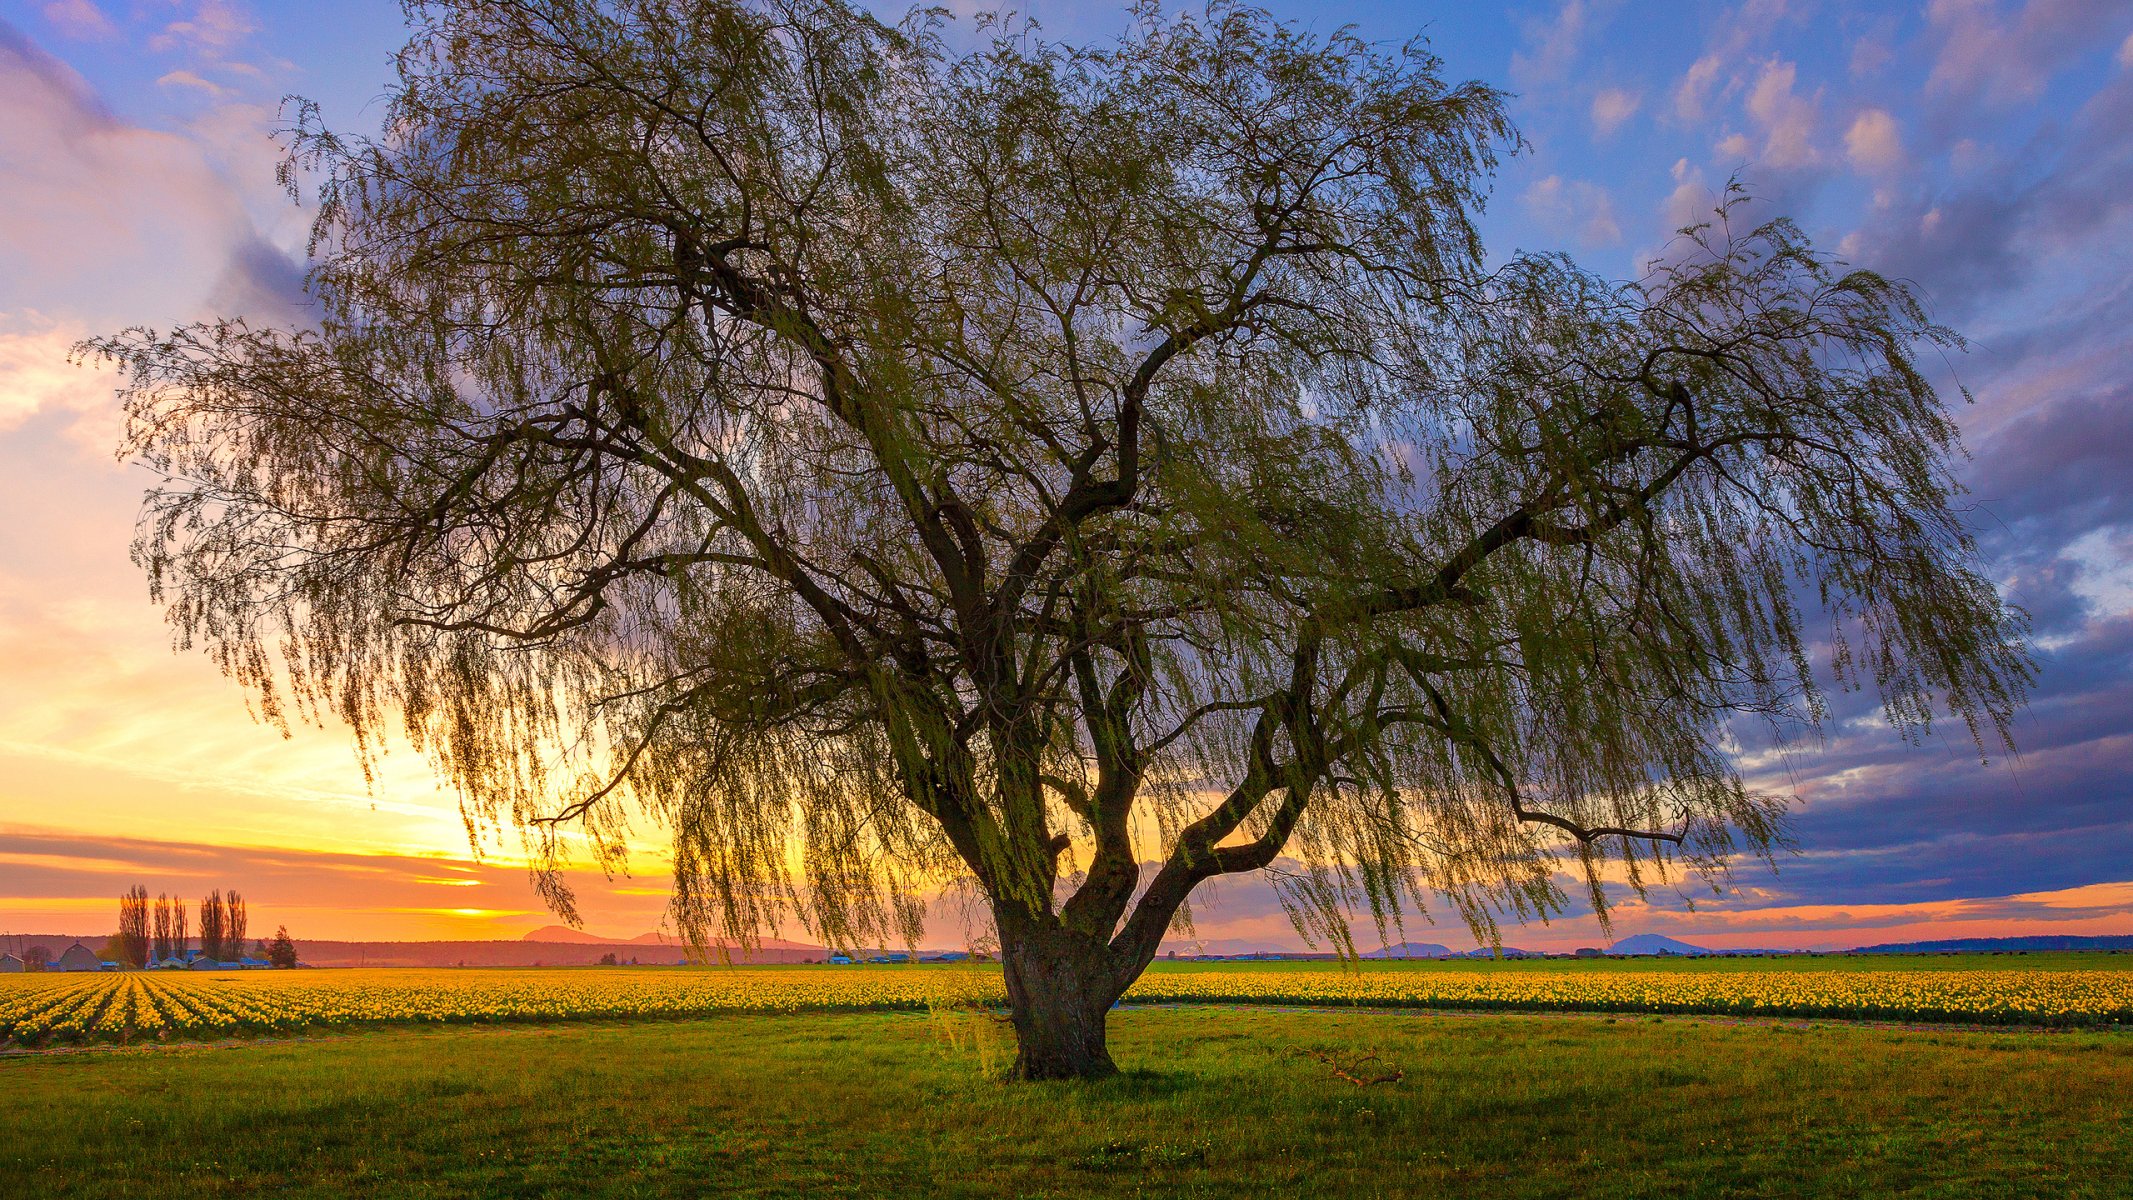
x: 282, y: 950
x: 891, y: 470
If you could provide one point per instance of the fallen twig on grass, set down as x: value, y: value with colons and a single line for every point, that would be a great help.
x: 1347, y: 1072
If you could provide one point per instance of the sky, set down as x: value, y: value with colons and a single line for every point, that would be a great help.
x: 1981, y: 149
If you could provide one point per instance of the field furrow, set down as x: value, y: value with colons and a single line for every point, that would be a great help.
x: 189, y: 1006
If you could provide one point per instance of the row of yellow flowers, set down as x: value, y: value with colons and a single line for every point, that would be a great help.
x: 38, y: 1010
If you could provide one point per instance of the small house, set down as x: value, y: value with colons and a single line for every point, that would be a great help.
x: 10, y: 963
x: 78, y: 958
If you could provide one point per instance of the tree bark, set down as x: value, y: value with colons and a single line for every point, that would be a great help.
x: 1060, y: 987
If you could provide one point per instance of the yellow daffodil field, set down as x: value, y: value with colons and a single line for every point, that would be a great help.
x: 52, y: 1009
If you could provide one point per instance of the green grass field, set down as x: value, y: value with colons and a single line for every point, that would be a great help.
x: 1215, y: 1101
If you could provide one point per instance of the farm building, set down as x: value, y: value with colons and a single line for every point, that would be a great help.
x: 78, y: 958
x: 10, y: 963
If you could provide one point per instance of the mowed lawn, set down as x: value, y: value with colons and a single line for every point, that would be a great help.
x: 1215, y: 1101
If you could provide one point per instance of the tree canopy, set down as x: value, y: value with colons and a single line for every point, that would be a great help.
x: 1075, y: 472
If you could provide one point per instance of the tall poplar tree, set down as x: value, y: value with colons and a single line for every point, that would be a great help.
x: 233, y: 924
x: 132, y: 937
x: 212, y: 927
x: 164, y: 941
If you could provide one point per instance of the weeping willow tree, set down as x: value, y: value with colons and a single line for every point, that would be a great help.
x: 1071, y: 473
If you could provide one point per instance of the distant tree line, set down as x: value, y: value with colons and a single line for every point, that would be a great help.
x: 162, y: 930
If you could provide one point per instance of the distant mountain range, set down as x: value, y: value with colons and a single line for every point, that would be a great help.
x: 1184, y: 948
x: 532, y: 954
x: 1411, y: 950
x: 1433, y: 950
x: 1659, y: 943
x: 564, y: 933
x: 577, y: 937
x: 560, y: 946
x: 1976, y: 945
x: 1643, y: 943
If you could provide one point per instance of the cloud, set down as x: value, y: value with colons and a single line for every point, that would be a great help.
x: 2006, y: 58
x: 1693, y: 93
x: 1611, y: 108
x: 1787, y: 119
x: 1582, y: 207
x: 79, y: 19
x: 2089, y: 909
x: 1869, y: 56
x: 37, y: 379
x: 100, y: 219
x: 2049, y: 215
x: 214, y: 26
x: 187, y: 79
x: 2125, y: 52
x: 1551, y: 46
x: 1691, y: 201
x: 1718, y: 69
x: 1873, y: 143
x: 2025, y: 242
x: 2055, y: 472
x: 2105, y: 580
x: 262, y: 284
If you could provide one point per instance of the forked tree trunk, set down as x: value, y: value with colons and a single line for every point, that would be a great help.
x: 1060, y: 987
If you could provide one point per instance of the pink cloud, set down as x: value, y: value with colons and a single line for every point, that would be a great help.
x: 79, y: 19
x: 188, y: 79
x: 1869, y: 56
x: 1552, y: 45
x: 1693, y: 93
x: 1874, y: 144
x: 1787, y: 119
x: 2008, y: 57
x: 1583, y: 208
x: 1691, y: 200
x: 101, y: 220
x: 1612, y: 108
x: 1718, y: 70
x: 213, y: 27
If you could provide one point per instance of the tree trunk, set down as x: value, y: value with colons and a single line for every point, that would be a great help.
x: 1060, y: 986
